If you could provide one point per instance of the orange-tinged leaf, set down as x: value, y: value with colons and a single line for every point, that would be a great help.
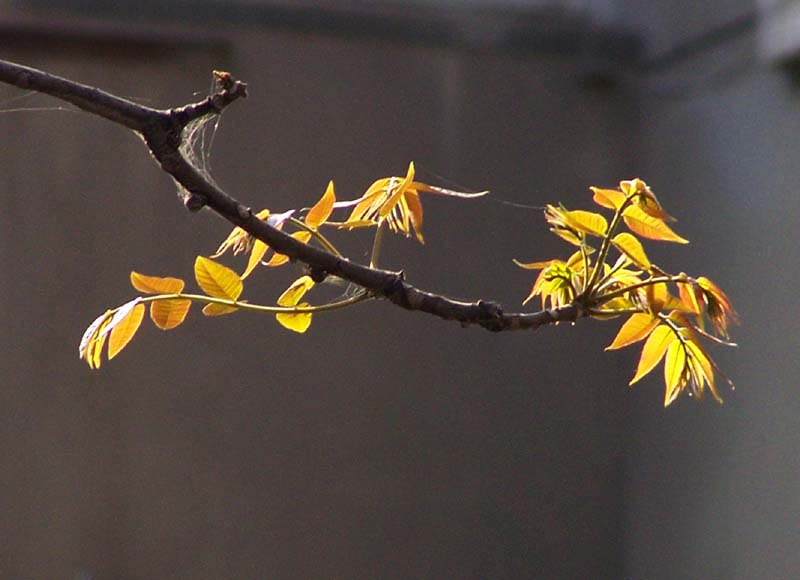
x: 587, y: 221
x: 688, y: 296
x: 258, y: 251
x: 281, y: 259
x: 217, y: 280
x: 649, y: 227
x: 674, y: 371
x: 292, y: 295
x: 399, y: 190
x: 322, y: 209
x: 657, y: 296
x: 218, y: 309
x: 636, y: 328
x: 156, y: 285
x: 298, y: 322
x: 610, y: 198
x: 632, y: 248
x: 415, y: 213
x: 167, y: 314
x: 124, y: 330
x: 653, y: 350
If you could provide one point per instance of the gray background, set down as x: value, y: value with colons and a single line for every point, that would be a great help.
x: 387, y: 444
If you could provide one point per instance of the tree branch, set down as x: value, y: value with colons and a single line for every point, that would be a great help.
x: 162, y: 131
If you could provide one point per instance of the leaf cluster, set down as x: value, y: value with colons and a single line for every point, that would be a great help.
x: 610, y: 275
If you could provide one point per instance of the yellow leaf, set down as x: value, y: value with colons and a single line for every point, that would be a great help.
x: 534, y: 265
x: 654, y: 349
x: 217, y: 280
x: 632, y: 248
x: 298, y: 322
x: 86, y: 349
x: 281, y: 259
x: 124, y: 330
x: 567, y: 236
x: 657, y: 296
x: 610, y: 198
x: 218, y: 309
x: 699, y: 359
x: 674, y: 371
x: 649, y: 227
x: 399, y: 190
x: 156, y: 285
x: 258, y: 251
x: 292, y: 295
x: 636, y: 328
x: 322, y: 209
x: 587, y: 221
x: 167, y: 314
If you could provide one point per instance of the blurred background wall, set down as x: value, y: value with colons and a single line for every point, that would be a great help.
x: 387, y: 444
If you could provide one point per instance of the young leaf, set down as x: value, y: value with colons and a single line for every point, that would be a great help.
x: 610, y: 198
x: 632, y: 248
x: 156, y: 285
x: 86, y: 349
x: 322, y: 209
x: 653, y: 351
x: 636, y: 328
x: 702, y: 367
x: 296, y: 321
x: 292, y: 295
x: 587, y: 221
x: 124, y: 331
x: 649, y: 227
x: 674, y: 371
x: 167, y: 314
x: 258, y: 251
x: 217, y: 280
x: 218, y: 309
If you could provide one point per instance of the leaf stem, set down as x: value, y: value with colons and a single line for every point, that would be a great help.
x: 259, y: 307
x: 604, y: 247
x: 324, y: 242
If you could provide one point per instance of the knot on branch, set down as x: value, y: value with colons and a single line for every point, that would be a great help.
x: 490, y: 315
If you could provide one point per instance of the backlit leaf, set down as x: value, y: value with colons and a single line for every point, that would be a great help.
x: 587, y: 221
x: 534, y: 265
x: 689, y: 297
x: 86, y: 347
x: 258, y: 251
x: 636, y: 328
x: 674, y: 371
x: 703, y: 366
x: 218, y: 309
x: 322, y: 209
x: 217, y: 280
x: 632, y: 248
x: 292, y: 295
x: 156, y: 285
x: 124, y: 331
x: 298, y: 322
x: 610, y: 198
x: 167, y: 314
x: 653, y: 350
x: 649, y: 227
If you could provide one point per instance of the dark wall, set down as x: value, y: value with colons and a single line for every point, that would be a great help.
x: 382, y: 443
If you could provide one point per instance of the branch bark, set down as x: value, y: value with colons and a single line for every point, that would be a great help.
x: 162, y: 130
